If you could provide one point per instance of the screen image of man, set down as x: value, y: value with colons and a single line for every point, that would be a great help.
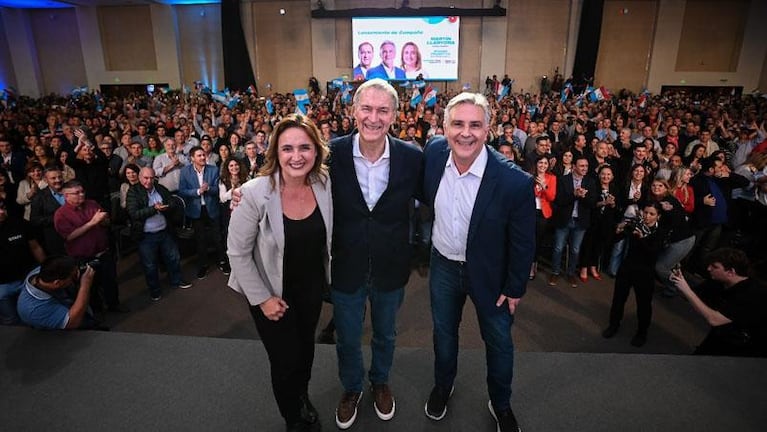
x: 365, y: 53
x: 386, y: 70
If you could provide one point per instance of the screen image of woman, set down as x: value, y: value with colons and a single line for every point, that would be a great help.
x: 411, y: 61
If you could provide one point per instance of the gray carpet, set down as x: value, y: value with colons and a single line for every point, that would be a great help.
x: 121, y: 381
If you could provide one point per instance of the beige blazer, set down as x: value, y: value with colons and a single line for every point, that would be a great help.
x: 256, y: 241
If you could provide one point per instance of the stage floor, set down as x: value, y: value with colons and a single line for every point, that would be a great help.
x: 99, y: 381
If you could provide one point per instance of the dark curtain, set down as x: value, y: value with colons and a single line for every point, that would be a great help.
x: 588, y: 42
x: 238, y: 72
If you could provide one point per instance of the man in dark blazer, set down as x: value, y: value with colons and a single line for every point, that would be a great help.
x: 148, y: 203
x: 483, y: 240
x: 43, y: 207
x: 198, y: 186
x: 577, y: 194
x: 374, y: 177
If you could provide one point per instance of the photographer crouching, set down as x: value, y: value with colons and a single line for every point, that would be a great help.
x: 56, y: 296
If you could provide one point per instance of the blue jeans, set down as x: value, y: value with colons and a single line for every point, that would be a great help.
x: 148, y: 248
x: 9, y: 293
x: 575, y: 233
x: 448, y: 286
x: 348, y: 315
x: 616, y: 256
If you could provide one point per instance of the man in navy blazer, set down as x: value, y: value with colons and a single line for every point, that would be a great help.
x: 483, y: 240
x: 386, y: 70
x: 198, y: 186
x: 374, y: 177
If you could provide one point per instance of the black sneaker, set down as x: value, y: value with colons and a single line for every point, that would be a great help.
x: 155, y: 297
x: 436, y: 406
x: 224, y: 267
x: 505, y: 421
x: 202, y: 273
x: 184, y: 284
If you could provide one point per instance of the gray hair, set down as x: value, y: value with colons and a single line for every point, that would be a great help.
x: 475, y: 99
x: 378, y: 84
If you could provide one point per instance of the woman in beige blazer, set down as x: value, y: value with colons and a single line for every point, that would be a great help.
x: 279, y: 250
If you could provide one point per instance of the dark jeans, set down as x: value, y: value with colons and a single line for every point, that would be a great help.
x: 448, y: 286
x: 207, y: 230
x: 9, y: 294
x: 289, y: 344
x: 348, y: 315
x: 104, y: 281
x: 706, y: 240
x: 148, y: 248
x: 540, y: 232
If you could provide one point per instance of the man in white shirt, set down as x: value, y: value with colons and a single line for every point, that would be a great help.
x: 483, y: 242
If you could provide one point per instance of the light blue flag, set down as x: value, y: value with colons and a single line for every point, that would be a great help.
x: 415, y: 98
x: 269, y: 106
x: 566, y: 92
x: 220, y: 97
x: 79, y: 91
x: 338, y: 83
x: 233, y: 102
x: 302, y: 97
x: 346, y: 96
x: 419, y: 84
x: 503, y: 91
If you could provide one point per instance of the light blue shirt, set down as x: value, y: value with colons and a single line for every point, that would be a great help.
x: 156, y: 222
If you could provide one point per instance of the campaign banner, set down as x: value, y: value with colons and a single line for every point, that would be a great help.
x: 405, y: 48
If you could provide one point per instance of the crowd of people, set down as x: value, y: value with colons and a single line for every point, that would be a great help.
x: 641, y: 188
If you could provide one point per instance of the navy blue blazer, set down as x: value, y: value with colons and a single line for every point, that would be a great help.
x: 501, y: 242
x: 380, y: 72
x: 187, y: 189
x: 372, y: 245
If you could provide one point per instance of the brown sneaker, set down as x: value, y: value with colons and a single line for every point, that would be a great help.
x: 346, y: 412
x: 553, y: 280
x: 383, y: 401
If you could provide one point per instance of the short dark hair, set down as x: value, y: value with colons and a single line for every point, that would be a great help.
x: 541, y: 138
x: 72, y: 184
x: 194, y: 150
x: 730, y: 259
x: 707, y: 163
x: 57, y: 268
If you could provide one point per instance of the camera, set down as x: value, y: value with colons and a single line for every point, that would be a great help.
x: 94, y: 264
x: 635, y: 224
